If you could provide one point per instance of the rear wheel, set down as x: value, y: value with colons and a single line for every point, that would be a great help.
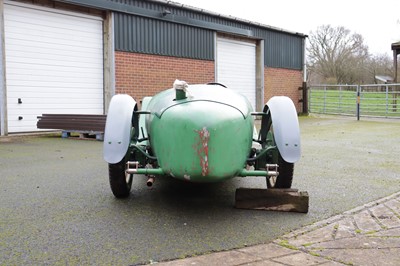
x: 120, y: 181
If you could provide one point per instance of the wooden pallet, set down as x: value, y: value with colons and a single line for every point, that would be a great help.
x: 287, y: 200
x: 82, y: 134
x: 87, y: 126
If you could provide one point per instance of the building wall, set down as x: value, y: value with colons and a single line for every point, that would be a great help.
x: 279, y: 81
x: 188, y: 32
x: 141, y: 75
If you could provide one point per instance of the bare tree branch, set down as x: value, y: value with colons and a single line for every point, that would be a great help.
x: 336, y: 55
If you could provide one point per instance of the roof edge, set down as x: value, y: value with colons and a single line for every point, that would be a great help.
x: 118, y: 7
x: 212, y: 13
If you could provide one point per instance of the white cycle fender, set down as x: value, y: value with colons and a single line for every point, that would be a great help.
x: 117, y: 133
x: 286, y: 127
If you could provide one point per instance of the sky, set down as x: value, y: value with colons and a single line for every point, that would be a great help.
x: 377, y: 21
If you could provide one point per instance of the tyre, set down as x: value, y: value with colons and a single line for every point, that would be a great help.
x: 120, y: 182
x: 285, y: 177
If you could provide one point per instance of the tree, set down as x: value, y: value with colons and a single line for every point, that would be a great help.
x: 378, y: 65
x: 336, y: 56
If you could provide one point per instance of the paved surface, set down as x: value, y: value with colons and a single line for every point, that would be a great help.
x: 56, y: 207
x: 367, y: 235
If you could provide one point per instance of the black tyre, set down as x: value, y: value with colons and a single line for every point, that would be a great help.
x: 285, y: 177
x: 120, y: 182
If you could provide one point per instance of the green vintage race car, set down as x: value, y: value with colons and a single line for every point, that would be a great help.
x: 199, y: 133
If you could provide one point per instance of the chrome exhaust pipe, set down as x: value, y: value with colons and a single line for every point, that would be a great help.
x: 150, y: 181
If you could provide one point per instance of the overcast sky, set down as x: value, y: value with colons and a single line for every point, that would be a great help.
x: 377, y: 21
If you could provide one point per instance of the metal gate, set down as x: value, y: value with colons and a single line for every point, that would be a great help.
x: 375, y: 100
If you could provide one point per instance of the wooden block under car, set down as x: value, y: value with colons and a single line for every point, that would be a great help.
x: 287, y: 200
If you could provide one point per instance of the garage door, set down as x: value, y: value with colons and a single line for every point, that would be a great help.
x: 236, y: 66
x: 54, y: 64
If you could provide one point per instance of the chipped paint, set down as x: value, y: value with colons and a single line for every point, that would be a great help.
x: 202, y: 150
x: 186, y: 177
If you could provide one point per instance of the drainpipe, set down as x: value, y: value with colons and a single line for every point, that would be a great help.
x: 304, y: 89
x: 109, y: 60
x: 3, y: 90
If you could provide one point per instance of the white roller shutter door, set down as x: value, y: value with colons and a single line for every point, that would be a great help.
x: 236, y: 66
x: 54, y: 64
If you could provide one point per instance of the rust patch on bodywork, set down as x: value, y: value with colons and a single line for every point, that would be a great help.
x: 202, y: 150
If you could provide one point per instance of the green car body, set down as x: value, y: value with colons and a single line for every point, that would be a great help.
x: 204, y: 137
x: 199, y: 133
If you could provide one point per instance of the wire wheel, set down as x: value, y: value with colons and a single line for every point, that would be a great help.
x: 285, y: 177
x: 120, y: 181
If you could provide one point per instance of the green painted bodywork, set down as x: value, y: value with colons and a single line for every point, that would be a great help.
x: 206, y: 137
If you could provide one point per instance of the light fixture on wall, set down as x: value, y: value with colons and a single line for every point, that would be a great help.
x: 165, y: 12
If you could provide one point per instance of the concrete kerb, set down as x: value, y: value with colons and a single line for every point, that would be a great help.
x: 363, y: 240
x: 285, y: 249
x: 29, y: 134
x: 338, y: 217
x: 90, y: 135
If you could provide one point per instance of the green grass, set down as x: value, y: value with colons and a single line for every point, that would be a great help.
x: 285, y: 244
x: 333, y: 101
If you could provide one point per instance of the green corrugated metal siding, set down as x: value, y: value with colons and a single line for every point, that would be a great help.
x: 282, y: 50
x: 186, y: 32
x: 145, y: 35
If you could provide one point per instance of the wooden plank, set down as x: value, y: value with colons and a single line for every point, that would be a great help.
x: 73, y: 115
x: 72, y: 122
x: 288, y: 200
x: 89, y: 126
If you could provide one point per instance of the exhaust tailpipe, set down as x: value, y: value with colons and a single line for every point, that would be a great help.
x: 150, y: 181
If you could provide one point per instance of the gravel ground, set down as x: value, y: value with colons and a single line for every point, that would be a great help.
x: 56, y: 206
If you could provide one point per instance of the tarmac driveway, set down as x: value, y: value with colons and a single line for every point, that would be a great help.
x: 56, y: 206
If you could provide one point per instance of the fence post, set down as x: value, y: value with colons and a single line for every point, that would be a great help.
x: 324, y: 100
x: 387, y: 100
x: 305, y: 98
x: 358, y: 102
x: 340, y: 99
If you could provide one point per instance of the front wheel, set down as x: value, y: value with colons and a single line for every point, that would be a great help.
x: 285, y: 177
x: 120, y: 181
